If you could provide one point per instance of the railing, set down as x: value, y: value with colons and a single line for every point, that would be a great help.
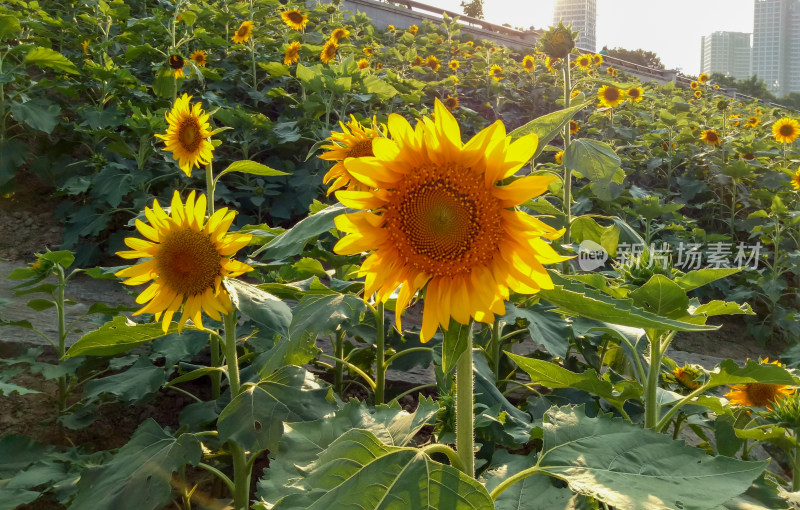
x: 491, y: 27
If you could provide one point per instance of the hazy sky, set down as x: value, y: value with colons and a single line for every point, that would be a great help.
x: 670, y: 28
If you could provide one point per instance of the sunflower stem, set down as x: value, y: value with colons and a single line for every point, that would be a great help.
x: 567, y: 171
x: 796, y: 464
x: 495, y: 342
x: 231, y: 358
x: 62, y: 336
x: 651, y: 407
x: 216, y: 358
x: 338, y: 351
x: 241, y: 473
x: 465, y: 418
x: 380, y: 356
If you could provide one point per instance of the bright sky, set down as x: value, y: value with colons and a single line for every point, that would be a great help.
x: 670, y: 28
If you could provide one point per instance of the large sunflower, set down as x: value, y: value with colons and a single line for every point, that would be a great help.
x: 528, y: 63
x: 244, y: 32
x: 758, y: 394
x: 436, y: 219
x: 355, y: 141
x: 200, y: 57
x: 610, y: 96
x: 363, y: 63
x: 711, y: 137
x: 292, y: 54
x: 328, y: 52
x: 186, y: 259
x: 294, y: 19
x: 187, y: 135
x: 785, y: 130
x: 796, y: 180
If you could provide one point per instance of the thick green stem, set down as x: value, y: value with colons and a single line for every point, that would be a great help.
x: 241, y: 473
x: 62, y: 336
x: 216, y: 358
x: 338, y: 351
x: 231, y: 358
x: 380, y: 356
x: 495, y: 346
x: 465, y: 418
x: 651, y: 407
x: 352, y: 367
x: 508, y: 482
x: 452, y: 456
x: 567, y: 171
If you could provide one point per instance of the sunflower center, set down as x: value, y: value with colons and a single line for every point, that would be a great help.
x: 188, y: 262
x: 786, y: 130
x: 361, y: 149
x: 712, y: 137
x: 761, y: 394
x: 189, y: 134
x: 444, y: 220
x: 242, y: 31
x: 294, y: 17
x: 612, y: 94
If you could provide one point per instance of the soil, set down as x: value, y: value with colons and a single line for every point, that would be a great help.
x: 26, y: 222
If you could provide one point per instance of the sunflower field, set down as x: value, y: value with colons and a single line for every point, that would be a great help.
x: 309, y: 212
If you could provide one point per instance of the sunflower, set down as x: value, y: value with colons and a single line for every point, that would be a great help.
x: 363, y: 63
x: 454, y: 78
x: 796, y: 180
x: 698, y: 94
x: 574, y: 93
x: 450, y: 102
x: 328, y: 52
x: 391, y: 28
x: 597, y: 59
x: 549, y: 63
x: 413, y: 29
x: 176, y: 63
x: 610, y: 96
x: 716, y: 87
x: 244, y: 32
x: 687, y: 376
x: 292, y: 54
x: 294, y: 19
x: 785, y: 130
x: 711, y: 137
x: 702, y: 78
x: 435, y: 219
x: 453, y: 65
x: 378, y: 66
x: 610, y: 70
x: 368, y: 51
x: 758, y: 394
x: 528, y: 63
x: 694, y: 85
x: 559, y: 157
x: 85, y: 46
x: 752, y: 122
x: 636, y: 94
x: 355, y: 141
x: 187, y: 135
x: 339, y: 34
x: 186, y: 259
x: 433, y: 63
x: 496, y: 72
x: 574, y: 127
x: 584, y: 61
x: 200, y: 57
x: 735, y: 119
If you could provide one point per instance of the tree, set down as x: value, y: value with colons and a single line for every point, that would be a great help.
x: 640, y: 56
x: 473, y: 8
x: 726, y: 82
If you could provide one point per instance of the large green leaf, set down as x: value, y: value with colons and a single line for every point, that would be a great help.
x: 37, y: 113
x: 545, y: 327
x: 293, y: 240
x: 115, y: 337
x: 728, y: 372
x: 700, y: 277
x: 359, y: 471
x: 548, y: 126
x: 134, y: 385
x: 761, y: 495
x: 7, y: 388
x: 139, y: 476
x: 14, y: 498
x: 382, y: 90
x: 9, y: 25
x: 45, y: 57
x: 19, y: 452
x: 324, y: 313
x: 254, y: 419
x: 272, y: 314
x: 628, y: 467
x: 596, y: 161
x: 251, y: 167
x: 661, y: 296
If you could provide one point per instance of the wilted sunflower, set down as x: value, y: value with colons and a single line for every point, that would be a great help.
x: 200, y: 57
x: 244, y: 32
x: 557, y: 41
x: 636, y: 94
x: 176, y: 63
x: 584, y: 61
x: 294, y: 19
x: 687, y: 376
x: 710, y: 136
x: 436, y: 219
x: 328, y: 52
x: 574, y: 127
x: 453, y: 65
x: 496, y: 72
x: 450, y: 102
x: 694, y: 85
x: 355, y: 141
x: 610, y: 96
x: 186, y: 259
x: 339, y: 34
x: 413, y: 29
x: 785, y: 130
x: 702, y: 78
x: 292, y: 54
x: 559, y: 157
x: 796, y: 179
x: 698, y: 94
x: 597, y: 59
x: 752, y: 122
x: 363, y: 63
x: 528, y: 63
x: 433, y: 63
x: 187, y: 135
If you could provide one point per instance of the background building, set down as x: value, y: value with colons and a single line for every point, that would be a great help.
x: 726, y: 53
x: 776, y: 45
x: 582, y: 15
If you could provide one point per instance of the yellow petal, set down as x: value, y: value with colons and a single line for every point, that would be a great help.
x: 522, y: 189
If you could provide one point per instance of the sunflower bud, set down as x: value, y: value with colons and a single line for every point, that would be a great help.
x: 558, y: 41
x: 722, y: 105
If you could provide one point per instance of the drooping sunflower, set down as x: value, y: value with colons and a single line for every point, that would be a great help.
x: 636, y: 94
x: 187, y: 257
x: 574, y: 127
x: 528, y: 63
x: 584, y: 61
x: 702, y: 78
x: 292, y: 53
x: 244, y: 32
x: 710, y: 137
x: 355, y: 141
x: 413, y: 29
x: 785, y: 130
x: 796, y: 180
x: 176, y: 63
x: 363, y: 63
x: 610, y: 96
x: 339, y: 34
x: 433, y: 63
x: 698, y: 94
x: 453, y: 65
x: 752, y: 122
x: 687, y: 376
x: 496, y: 72
x: 450, y: 102
x: 328, y: 52
x: 758, y: 394
x: 200, y: 57
x: 294, y: 19
x: 597, y: 59
x: 187, y: 135
x: 694, y: 85
x: 434, y: 218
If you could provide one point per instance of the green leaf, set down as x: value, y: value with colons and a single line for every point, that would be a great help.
x: 456, y: 341
x: 39, y: 114
x: 551, y: 375
x: 596, y: 161
x: 661, y: 296
x: 628, y: 467
x: 294, y: 240
x: 250, y: 167
x: 306, y: 74
x: 139, y: 476
x: 272, y: 314
x: 40, y: 304
x: 717, y: 307
x: 14, y: 498
x: 7, y: 388
x: 529, y: 493
x: 548, y: 126
x: 318, y: 314
x: 545, y: 327
x: 19, y: 452
x: 64, y: 258
x: 359, y: 471
x: 761, y: 495
x: 382, y: 90
x: 115, y: 337
x: 695, y: 279
x: 254, y: 419
x: 164, y: 82
x: 132, y: 386
x: 728, y: 372
x: 9, y: 26
x: 45, y: 57
x: 586, y: 228
x: 275, y: 69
